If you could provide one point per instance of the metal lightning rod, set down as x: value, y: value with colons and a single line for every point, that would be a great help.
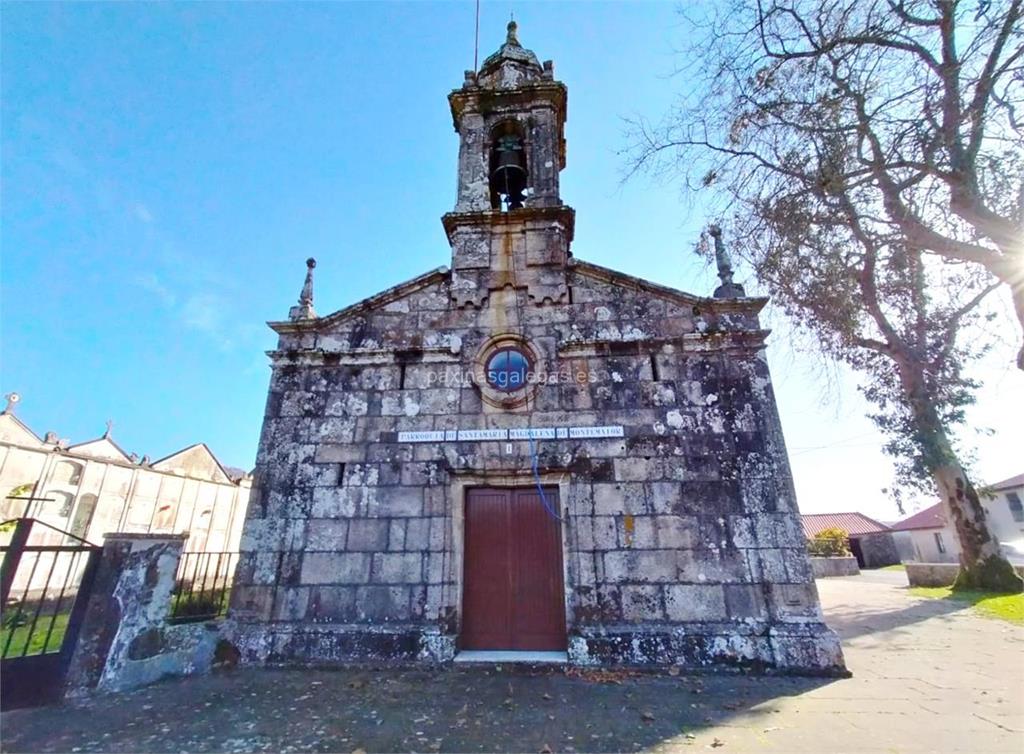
x: 476, y: 38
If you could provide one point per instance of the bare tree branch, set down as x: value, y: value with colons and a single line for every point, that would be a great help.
x: 867, y: 153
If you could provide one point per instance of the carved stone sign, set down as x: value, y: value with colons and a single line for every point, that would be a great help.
x: 521, y: 433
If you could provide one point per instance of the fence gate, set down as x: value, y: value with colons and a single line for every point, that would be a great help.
x: 44, y: 585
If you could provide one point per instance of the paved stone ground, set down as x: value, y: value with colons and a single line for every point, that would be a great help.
x: 929, y: 675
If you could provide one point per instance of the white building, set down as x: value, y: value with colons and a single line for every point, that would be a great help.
x: 929, y: 537
x: 94, y: 487
x: 1004, y: 506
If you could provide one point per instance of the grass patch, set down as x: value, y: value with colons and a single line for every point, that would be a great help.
x: 199, y: 606
x: 1008, y: 607
x: 897, y: 567
x: 37, y: 644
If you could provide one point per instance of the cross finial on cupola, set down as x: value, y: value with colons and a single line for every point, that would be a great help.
x: 12, y: 401
x: 305, y: 308
x: 511, y: 38
x: 728, y: 289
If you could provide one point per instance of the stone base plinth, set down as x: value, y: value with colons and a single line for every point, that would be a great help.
x: 340, y: 645
x: 797, y: 648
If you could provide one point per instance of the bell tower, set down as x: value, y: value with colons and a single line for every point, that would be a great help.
x: 509, y: 227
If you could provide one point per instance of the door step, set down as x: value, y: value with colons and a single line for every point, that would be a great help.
x: 497, y: 655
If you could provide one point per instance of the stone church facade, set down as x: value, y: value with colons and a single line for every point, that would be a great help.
x: 525, y: 451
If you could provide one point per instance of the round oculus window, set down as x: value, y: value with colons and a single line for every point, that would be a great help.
x: 507, y: 369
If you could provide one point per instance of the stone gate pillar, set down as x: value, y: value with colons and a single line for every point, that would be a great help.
x: 126, y: 613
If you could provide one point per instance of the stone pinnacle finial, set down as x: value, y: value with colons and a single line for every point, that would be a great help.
x: 728, y: 289
x: 12, y: 401
x: 305, y: 308
x: 511, y: 38
x: 306, y: 297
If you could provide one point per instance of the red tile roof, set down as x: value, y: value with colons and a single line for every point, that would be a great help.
x: 851, y: 523
x: 932, y: 517
x: 1014, y: 481
x: 929, y: 518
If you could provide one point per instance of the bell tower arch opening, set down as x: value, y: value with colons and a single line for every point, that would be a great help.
x: 509, y: 173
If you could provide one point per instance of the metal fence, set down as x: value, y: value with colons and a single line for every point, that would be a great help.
x: 203, y: 586
x: 39, y: 586
x: 45, y: 578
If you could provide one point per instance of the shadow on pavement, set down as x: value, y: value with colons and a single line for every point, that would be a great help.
x: 851, y: 621
x: 490, y: 708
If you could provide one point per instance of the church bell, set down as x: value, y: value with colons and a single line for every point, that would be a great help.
x: 508, y: 176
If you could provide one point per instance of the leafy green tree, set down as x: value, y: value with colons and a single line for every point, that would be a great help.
x: 829, y: 543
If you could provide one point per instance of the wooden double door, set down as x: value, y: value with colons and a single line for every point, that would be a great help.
x: 513, y: 595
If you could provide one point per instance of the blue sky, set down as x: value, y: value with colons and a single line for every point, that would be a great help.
x: 168, y: 167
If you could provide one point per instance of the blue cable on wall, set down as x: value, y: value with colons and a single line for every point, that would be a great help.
x: 536, y: 478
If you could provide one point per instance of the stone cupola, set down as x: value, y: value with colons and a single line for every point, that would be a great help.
x: 511, y: 65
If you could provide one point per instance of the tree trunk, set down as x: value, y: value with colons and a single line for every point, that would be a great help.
x: 982, y: 564
x: 1010, y: 270
x: 1017, y: 292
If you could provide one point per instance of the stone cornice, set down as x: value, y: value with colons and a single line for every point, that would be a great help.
x: 493, y: 218
x: 483, y: 100
x: 726, y: 340
x: 317, y: 357
x: 734, y: 340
